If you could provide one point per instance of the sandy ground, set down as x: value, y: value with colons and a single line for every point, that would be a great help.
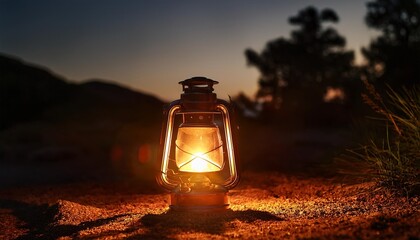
x: 264, y: 206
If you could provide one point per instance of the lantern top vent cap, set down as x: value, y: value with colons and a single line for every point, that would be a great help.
x: 198, y: 85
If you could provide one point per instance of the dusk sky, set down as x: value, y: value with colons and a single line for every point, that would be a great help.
x: 151, y: 45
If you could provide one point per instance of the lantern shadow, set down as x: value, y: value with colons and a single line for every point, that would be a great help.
x: 162, y: 226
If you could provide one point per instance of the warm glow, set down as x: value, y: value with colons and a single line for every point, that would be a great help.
x: 334, y: 94
x: 199, y: 149
x: 199, y: 164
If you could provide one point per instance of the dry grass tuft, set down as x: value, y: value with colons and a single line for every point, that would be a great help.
x: 393, y: 161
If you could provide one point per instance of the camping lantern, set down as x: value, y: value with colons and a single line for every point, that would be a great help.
x: 198, y: 150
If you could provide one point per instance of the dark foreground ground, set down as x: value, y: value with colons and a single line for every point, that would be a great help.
x: 264, y: 206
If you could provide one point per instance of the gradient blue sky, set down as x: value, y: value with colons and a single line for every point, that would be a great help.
x: 151, y: 45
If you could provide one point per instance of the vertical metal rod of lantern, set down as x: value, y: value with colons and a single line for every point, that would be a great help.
x: 194, y: 182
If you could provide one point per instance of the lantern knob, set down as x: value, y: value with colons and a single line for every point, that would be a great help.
x: 198, y: 85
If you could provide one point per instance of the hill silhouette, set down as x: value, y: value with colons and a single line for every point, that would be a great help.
x: 28, y: 92
x: 53, y: 129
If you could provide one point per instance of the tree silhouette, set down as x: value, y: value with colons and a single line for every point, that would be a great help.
x: 297, y: 71
x: 394, y: 57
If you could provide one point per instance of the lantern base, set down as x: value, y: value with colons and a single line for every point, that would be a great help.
x: 199, y: 201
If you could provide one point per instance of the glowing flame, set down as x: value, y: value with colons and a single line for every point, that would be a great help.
x: 199, y: 164
x: 199, y: 149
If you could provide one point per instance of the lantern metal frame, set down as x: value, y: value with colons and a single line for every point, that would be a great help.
x: 201, y: 100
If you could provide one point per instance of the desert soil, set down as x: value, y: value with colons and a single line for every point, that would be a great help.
x: 264, y: 206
